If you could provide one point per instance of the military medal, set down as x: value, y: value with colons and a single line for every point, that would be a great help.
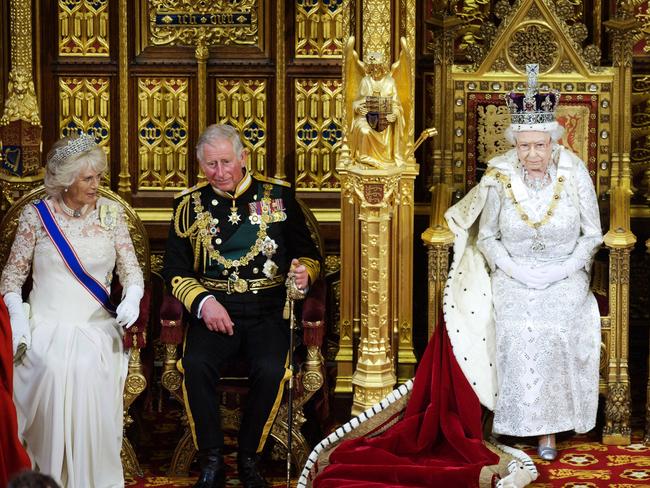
x: 234, y: 217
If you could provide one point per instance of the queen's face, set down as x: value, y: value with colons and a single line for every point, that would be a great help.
x: 534, y: 150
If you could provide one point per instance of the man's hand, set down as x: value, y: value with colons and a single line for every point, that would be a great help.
x: 216, y: 317
x: 300, y: 274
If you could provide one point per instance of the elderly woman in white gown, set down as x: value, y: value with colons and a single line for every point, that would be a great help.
x: 538, y: 231
x: 68, y: 385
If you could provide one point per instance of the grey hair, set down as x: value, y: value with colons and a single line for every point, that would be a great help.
x: 556, y: 133
x: 217, y: 132
x: 61, y: 173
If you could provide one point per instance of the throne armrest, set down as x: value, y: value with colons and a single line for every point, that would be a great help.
x: 136, y: 335
x: 171, y: 320
x: 313, y: 314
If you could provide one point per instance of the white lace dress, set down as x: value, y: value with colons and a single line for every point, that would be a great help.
x: 68, y: 388
x: 547, y: 341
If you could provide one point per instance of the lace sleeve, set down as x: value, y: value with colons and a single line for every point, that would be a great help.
x: 128, y: 268
x: 591, y: 236
x: 489, y: 234
x: 22, y: 252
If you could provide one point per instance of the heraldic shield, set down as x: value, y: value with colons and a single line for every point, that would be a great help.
x: 378, y: 109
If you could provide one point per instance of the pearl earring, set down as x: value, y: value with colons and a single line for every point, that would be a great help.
x: 65, y: 190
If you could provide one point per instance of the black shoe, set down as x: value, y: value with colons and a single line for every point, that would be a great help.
x: 249, y: 471
x: 213, y: 471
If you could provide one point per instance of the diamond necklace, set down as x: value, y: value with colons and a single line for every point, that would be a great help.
x: 76, y: 213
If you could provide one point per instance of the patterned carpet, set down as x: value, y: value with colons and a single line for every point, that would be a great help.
x: 582, y: 461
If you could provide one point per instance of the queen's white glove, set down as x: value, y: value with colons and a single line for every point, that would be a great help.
x: 20, y: 331
x: 558, y: 271
x: 129, y: 308
x: 531, y: 277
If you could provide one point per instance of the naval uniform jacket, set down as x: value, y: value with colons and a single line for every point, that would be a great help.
x: 237, y: 245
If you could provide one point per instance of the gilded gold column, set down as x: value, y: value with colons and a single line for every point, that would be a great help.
x: 20, y: 124
x: 280, y: 90
x: 124, y: 178
x: 377, y: 20
x: 619, y: 239
x: 375, y: 192
x: 201, y: 53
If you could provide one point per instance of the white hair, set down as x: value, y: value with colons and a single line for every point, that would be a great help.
x: 216, y: 132
x: 555, y: 130
x: 61, y: 173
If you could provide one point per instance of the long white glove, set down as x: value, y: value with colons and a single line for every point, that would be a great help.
x: 129, y: 308
x: 531, y: 277
x: 20, y: 331
x: 558, y: 271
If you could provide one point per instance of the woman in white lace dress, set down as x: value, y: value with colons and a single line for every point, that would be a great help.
x: 68, y: 384
x: 534, y: 358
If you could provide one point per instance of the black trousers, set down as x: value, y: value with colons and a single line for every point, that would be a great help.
x: 261, y: 336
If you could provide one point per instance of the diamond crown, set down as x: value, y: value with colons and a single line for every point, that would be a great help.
x: 532, y: 107
x: 83, y: 143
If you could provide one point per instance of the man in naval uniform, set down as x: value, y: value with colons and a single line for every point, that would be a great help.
x: 232, y: 241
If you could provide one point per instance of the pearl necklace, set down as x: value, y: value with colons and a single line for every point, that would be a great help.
x: 75, y: 213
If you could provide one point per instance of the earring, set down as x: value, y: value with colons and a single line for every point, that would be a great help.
x: 65, y: 190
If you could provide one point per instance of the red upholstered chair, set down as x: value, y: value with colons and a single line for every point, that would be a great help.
x: 135, y: 336
x: 233, y: 387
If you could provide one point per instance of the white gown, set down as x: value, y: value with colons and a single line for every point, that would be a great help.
x: 68, y: 388
x: 547, y: 341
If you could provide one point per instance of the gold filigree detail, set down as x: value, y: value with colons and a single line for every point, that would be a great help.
x: 376, y: 27
x: 617, y: 410
x: 162, y: 133
x: 319, y: 29
x: 220, y: 23
x: 84, y: 28
x: 534, y: 42
x: 318, y: 133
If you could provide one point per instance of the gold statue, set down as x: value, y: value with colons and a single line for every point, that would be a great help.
x: 378, y: 107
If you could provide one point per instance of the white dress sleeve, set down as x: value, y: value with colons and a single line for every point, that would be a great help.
x: 489, y: 234
x: 20, y: 258
x: 591, y: 236
x: 128, y: 268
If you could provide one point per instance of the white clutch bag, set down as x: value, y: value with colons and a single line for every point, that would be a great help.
x: 22, y: 347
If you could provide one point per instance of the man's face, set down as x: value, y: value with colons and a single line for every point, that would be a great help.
x: 222, y: 167
x: 534, y: 150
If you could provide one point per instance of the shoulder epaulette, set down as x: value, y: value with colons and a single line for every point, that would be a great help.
x: 268, y: 179
x: 187, y: 191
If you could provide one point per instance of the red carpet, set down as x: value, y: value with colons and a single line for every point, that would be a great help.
x: 582, y: 461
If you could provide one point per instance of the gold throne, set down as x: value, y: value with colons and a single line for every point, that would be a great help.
x: 474, y: 125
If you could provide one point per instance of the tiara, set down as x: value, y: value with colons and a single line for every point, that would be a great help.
x: 532, y: 108
x: 85, y: 142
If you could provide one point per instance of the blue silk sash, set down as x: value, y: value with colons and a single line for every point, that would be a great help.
x: 70, y: 258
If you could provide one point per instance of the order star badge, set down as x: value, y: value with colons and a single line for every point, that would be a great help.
x: 234, y: 218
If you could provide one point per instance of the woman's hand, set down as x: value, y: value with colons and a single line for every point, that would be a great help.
x: 20, y: 331
x: 216, y: 318
x: 129, y: 308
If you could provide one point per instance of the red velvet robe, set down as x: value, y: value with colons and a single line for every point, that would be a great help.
x: 437, y: 443
x: 13, y: 457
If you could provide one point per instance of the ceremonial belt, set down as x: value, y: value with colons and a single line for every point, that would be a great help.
x: 70, y: 258
x: 241, y: 285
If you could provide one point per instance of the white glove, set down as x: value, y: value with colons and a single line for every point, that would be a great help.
x: 20, y: 331
x: 558, y: 271
x: 129, y: 308
x: 531, y: 277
